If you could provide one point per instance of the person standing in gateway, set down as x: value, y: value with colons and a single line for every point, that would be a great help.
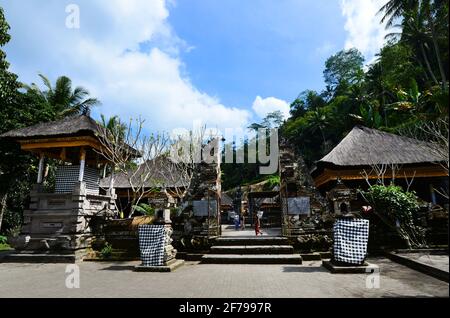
x: 258, y: 223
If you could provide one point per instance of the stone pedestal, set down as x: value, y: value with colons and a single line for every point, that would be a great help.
x: 339, y: 268
x: 170, y: 262
x: 62, y: 223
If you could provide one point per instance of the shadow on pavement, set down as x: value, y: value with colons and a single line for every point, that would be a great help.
x: 118, y: 268
x: 299, y: 269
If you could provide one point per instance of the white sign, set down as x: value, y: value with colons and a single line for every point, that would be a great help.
x: 299, y: 205
x: 201, y: 208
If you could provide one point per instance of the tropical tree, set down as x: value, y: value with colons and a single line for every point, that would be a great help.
x: 395, y: 9
x: 114, y: 125
x: 62, y: 98
x: 425, y: 25
x: 343, y: 69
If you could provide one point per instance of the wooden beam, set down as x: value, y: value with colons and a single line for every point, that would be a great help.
x: 356, y: 174
x: 30, y: 144
x: 59, y: 144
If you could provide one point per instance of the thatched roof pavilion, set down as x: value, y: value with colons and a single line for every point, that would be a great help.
x: 364, y: 148
x: 61, y: 139
x: 61, y: 219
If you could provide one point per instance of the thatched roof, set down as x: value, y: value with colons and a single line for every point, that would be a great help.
x: 161, y: 175
x: 365, y: 146
x: 226, y: 199
x: 72, y: 125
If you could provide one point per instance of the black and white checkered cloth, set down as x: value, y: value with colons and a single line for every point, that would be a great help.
x: 350, y: 240
x: 67, y: 176
x: 151, y: 244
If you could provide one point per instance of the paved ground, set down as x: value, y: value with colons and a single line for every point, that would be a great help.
x: 228, y: 230
x: 230, y: 281
x: 438, y: 260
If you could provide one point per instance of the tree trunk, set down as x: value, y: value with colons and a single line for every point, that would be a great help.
x: 427, y: 63
x: 2, y: 208
x: 438, y: 54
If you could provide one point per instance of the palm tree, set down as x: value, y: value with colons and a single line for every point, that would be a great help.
x: 421, y: 17
x: 395, y: 9
x: 62, y: 99
x: 114, y: 125
x: 415, y: 33
x: 318, y: 121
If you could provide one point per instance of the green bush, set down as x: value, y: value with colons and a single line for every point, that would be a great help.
x: 106, y: 251
x: 3, y: 239
x: 397, y: 209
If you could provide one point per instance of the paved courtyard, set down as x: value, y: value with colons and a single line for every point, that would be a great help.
x: 193, y: 280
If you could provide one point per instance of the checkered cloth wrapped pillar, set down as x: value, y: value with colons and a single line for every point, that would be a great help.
x: 350, y: 240
x: 151, y: 244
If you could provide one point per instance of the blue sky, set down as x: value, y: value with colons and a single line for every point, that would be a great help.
x: 226, y: 63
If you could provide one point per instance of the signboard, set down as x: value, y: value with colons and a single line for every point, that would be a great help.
x: 299, y: 205
x: 158, y: 203
x: 201, y: 208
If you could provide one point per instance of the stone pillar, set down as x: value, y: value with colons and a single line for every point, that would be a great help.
x: 82, y: 164
x: 40, y: 176
x: 169, y: 251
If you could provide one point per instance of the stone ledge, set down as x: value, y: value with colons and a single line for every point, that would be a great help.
x: 419, y: 266
x: 170, y: 267
x: 366, y: 268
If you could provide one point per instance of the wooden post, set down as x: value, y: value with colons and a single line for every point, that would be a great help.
x: 433, y: 194
x: 111, y: 181
x: 82, y: 164
x: 40, y: 176
x: 63, y: 154
x: 209, y: 215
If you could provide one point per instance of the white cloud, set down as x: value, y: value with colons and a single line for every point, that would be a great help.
x: 263, y: 106
x: 104, y: 56
x: 365, y: 32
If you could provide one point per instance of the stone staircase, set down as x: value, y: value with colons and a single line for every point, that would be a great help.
x: 40, y: 257
x: 252, y: 250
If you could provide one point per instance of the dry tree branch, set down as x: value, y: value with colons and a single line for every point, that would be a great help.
x: 132, y: 156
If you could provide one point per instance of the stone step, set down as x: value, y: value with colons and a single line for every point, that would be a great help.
x: 252, y: 249
x: 38, y: 258
x: 251, y: 240
x: 251, y: 259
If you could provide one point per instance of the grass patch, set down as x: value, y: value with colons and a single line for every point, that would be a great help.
x: 5, y: 247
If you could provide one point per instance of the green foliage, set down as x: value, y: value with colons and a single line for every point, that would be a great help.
x: 398, y: 209
x: 114, y: 125
x: 343, y: 69
x: 272, y: 120
x: 61, y: 98
x: 106, y: 251
x: 145, y: 209
x: 13, y: 231
x: 394, y: 202
x: 273, y: 181
x: 3, y: 239
x: 406, y: 85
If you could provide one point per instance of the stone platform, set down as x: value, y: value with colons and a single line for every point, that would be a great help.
x: 170, y: 267
x: 349, y: 269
